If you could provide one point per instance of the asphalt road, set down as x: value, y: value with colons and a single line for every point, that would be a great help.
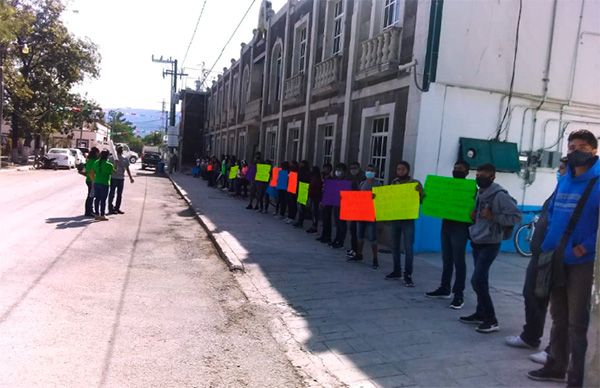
x: 141, y: 300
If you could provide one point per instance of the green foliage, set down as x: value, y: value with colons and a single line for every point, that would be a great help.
x: 154, y: 139
x: 121, y: 130
x: 39, y: 80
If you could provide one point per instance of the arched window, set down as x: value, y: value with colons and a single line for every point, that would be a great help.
x: 276, y: 73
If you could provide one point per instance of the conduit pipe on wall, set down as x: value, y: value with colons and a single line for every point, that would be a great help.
x: 567, y: 122
x: 575, y: 55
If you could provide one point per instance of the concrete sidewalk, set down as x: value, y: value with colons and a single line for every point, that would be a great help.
x: 359, y: 328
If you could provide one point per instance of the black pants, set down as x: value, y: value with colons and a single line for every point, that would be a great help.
x: 535, y: 308
x: 354, y: 235
x: 89, y: 200
x: 327, y: 213
x: 281, y: 202
x: 116, y: 185
x: 341, y: 226
x: 292, y: 205
x: 483, y: 258
x: 314, y: 209
x: 454, y: 245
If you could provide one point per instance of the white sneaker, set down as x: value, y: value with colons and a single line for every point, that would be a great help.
x: 515, y: 341
x: 539, y: 357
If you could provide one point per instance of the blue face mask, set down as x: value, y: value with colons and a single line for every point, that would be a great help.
x: 370, y: 174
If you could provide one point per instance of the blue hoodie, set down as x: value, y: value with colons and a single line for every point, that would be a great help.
x: 568, y: 192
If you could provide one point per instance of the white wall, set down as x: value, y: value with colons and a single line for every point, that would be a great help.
x: 477, y: 46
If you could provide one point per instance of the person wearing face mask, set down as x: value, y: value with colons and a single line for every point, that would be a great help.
x: 535, y: 306
x: 570, y: 295
x: 356, y: 177
x: 495, y: 210
x: 455, y: 235
x: 326, y: 210
x: 405, y: 230
x: 340, y: 225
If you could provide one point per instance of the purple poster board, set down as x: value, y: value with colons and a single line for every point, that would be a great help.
x: 331, y: 191
x: 251, y: 173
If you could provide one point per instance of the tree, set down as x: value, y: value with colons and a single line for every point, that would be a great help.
x: 39, y: 80
x: 153, y: 139
x: 121, y: 130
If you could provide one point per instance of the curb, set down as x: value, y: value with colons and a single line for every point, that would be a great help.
x: 223, y: 248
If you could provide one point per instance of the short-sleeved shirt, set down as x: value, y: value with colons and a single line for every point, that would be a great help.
x: 103, y: 170
x: 89, y: 164
x: 120, y: 165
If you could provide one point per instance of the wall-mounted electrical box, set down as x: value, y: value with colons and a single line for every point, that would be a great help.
x: 503, y: 155
x: 550, y: 159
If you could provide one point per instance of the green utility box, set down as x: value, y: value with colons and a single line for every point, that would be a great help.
x: 503, y: 155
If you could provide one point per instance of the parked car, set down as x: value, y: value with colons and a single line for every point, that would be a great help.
x: 128, y: 153
x: 150, y: 159
x: 62, y: 157
x: 78, y: 155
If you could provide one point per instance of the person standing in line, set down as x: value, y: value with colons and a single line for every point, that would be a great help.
x: 280, y: 211
x: 455, y: 235
x: 495, y: 213
x: 303, y: 176
x: 117, y: 181
x: 570, y: 298
x: 365, y: 228
x: 254, y: 186
x: 357, y: 176
x: 315, y: 193
x: 404, y: 230
x: 341, y: 227
x: 292, y: 198
x: 102, y: 170
x: 326, y: 210
x: 535, y: 306
x: 89, y: 181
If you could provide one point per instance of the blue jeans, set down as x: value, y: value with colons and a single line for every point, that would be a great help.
x: 454, y: 245
x: 368, y: 230
x: 403, y: 230
x: 483, y: 258
x: 89, y: 200
x: 101, y: 194
x: 115, y: 185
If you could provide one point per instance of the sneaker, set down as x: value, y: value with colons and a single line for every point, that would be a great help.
x: 539, y: 357
x: 394, y: 276
x: 488, y: 327
x: 119, y: 211
x: 249, y: 207
x: 101, y: 218
x: 356, y: 257
x: 516, y: 341
x: 311, y: 230
x: 545, y: 374
x: 256, y: 207
x: 472, y: 319
x: 337, y: 245
x: 408, y: 282
x: 439, y: 293
x: 350, y: 252
x: 457, y: 303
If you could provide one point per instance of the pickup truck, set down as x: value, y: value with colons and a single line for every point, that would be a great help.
x: 150, y: 159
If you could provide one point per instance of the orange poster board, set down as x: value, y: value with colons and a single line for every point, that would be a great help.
x: 292, y: 182
x: 209, y: 167
x: 357, y: 206
x: 274, y: 175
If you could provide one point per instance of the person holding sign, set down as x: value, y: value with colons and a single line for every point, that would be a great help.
x: 281, y: 208
x: 315, y: 193
x: 327, y: 210
x: 357, y: 176
x: 303, y: 176
x: 291, y: 198
x: 495, y: 211
x: 404, y: 230
x: 365, y: 228
x: 341, y: 226
x: 455, y: 235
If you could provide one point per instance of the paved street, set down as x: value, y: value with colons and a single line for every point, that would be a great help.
x: 361, y: 329
x: 139, y: 301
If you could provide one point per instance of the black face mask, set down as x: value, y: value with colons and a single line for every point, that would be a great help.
x: 459, y: 174
x: 580, y: 158
x: 484, y: 182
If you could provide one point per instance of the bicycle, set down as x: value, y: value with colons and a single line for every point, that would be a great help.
x: 524, y: 235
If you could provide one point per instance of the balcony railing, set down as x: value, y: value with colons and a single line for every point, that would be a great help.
x: 380, y: 54
x: 327, y: 75
x: 253, y: 109
x: 293, y: 89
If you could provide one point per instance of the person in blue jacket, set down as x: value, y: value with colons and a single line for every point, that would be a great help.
x: 570, y: 303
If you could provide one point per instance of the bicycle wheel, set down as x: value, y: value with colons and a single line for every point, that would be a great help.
x: 522, y: 240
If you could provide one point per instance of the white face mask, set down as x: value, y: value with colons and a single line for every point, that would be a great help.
x: 338, y: 173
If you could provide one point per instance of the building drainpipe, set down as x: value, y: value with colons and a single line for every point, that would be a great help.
x: 309, y: 80
x: 433, y: 43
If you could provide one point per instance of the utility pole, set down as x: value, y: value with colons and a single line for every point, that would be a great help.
x: 1, y: 97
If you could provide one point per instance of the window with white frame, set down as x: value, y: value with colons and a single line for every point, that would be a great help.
x: 392, y: 12
x: 378, y: 153
x: 294, y: 144
x: 338, y: 18
x: 276, y: 74
x: 302, y: 34
x: 327, y: 143
x: 271, y: 144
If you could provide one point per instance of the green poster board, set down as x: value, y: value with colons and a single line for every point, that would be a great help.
x: 262, y: 172
x: 233, y: 172
x: 396, y: 202
x: 302, y: 193
x: 449, y: 198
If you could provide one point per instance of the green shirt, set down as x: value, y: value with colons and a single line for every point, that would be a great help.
x: 88, y: 168
x: 103, y: 170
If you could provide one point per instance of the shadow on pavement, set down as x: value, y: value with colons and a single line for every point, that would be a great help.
x: 70, y: 222
x: 365, y: 330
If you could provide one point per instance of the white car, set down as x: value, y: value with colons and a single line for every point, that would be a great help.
x: 78, y: 155
x: 62, y: 157
x: 129, y: 154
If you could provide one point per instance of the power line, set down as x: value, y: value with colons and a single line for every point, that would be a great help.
x: 193, y: 34
x: 228, y: 41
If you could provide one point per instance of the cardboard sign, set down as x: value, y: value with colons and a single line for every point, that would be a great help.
x: 449, y: 198
x: 262, y: 172
x: 331, y: 191
x: 303, y: 193
x: 282, y: 180
x: 209, y: 168
x: 274, y: 176
x: 357, y: 206
x: 233, y: 172
x: 292, y: 186
x: 396, y: 202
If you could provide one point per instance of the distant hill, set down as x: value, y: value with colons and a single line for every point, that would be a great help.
x: 146, y: 121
